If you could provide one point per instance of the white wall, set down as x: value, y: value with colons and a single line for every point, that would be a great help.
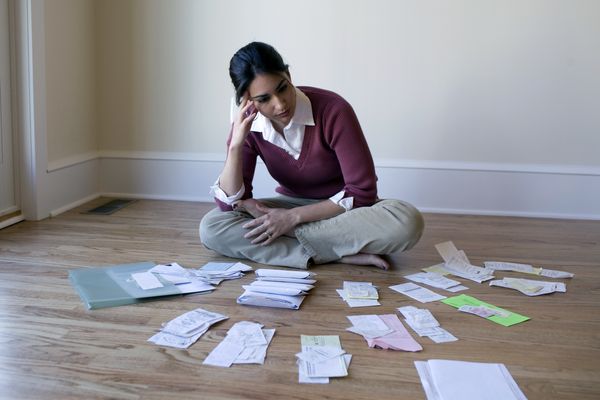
x: 495, y: 97
x: 472, y: 81
x: 70, y: 79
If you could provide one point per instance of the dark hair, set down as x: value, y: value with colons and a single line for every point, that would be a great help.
x: 251, y: 60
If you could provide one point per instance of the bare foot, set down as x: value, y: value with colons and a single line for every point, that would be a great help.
x: 250, y: 206
x: 366, y: 259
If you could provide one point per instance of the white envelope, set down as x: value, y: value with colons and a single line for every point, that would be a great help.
x: 270, y: 300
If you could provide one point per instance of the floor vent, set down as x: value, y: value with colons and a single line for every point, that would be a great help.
x: 110, y: 207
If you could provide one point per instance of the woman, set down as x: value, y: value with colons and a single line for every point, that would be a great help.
x: 312, y: 144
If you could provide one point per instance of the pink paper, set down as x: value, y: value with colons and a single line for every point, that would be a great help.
x: 400, y: 339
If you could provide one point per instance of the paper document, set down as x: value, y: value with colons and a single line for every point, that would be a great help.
x: 460, y: 380
x: 357, y: 302
x: 432, y: 279
x: 184, y: 330
x: 287, y: 290
x: 425, y: 324
x: 246, y: 343
x: 530, y: 287
x: 360, y: 290
x: 321, y: 358
x: 526, y: 269
x: 505, y: 317
x: 457, y: 263
x: 146, y: 280
x: 417, y: 292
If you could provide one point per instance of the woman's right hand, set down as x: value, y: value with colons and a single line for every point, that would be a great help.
x: 243, y: 121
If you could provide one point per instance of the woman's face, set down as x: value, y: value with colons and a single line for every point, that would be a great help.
x: 275, y: 97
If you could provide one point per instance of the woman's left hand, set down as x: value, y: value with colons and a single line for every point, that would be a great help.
x: 274, y: 223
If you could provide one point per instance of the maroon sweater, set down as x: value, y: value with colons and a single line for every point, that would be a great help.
x: 334, y: 156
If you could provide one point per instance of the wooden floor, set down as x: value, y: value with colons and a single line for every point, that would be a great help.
x: 51, y: 347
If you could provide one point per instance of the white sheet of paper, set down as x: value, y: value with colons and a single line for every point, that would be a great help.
x: 442, y: 336
x: 417, y: 292
x: 448, y: 379
x: 224, y: 354
x: 146, y: 280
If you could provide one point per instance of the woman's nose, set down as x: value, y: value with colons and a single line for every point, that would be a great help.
x: 280, y: 103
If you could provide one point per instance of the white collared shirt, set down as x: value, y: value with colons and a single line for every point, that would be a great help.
x: 293, y: 134
x: 291, y: 141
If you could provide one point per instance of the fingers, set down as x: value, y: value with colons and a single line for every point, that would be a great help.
x: 259, y: 232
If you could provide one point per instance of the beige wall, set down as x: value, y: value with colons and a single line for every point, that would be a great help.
x: 512, y: 81
x: 71, y: 109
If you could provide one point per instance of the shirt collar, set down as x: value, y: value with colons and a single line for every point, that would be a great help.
x: 303, y: 114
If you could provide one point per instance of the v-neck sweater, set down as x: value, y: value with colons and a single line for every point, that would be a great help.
x: 335, y: 156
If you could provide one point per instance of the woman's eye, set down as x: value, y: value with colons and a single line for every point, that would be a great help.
x: 282, y: 89
x: 262, y: 100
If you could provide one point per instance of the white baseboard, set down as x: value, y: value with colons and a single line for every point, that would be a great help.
x: 547, y: 191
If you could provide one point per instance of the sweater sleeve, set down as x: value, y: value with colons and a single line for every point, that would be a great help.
x: 249, y: 155
x: 347, y: 140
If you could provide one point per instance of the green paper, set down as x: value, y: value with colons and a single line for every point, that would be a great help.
x: 463, y: 299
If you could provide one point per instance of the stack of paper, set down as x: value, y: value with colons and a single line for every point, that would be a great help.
x: 216, y: 272
x: 246, y: 343
x: 383, y: 331
x: 417, y: 292
x: 359, y: 294
x: 457, y: 263
x: 490, y: 312
x: 530, y: 287
x: 526, y: 268
x: 184, y: 330
x: 436, y: 280
x: 184, y: 279
x: 321, y: 358
x: 277, y: 288
x: 449, y: 380
x: 424, y: 323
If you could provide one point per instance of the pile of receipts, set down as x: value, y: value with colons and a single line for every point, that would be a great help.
x: 528, y: 287
x: 246, y: 343
x: 457, y: 263
x: 424, y: 323
x: 383, y: 331
x: 359, y: 294
x: 321, y: 358
x: 184, y: 330
x: 189, y: 280
x: 217, y: 272
x: 277, y: 288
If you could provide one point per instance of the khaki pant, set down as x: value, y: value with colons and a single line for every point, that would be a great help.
x: 386, y: 227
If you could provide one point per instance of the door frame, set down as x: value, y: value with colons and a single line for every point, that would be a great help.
x: 26, y: 34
